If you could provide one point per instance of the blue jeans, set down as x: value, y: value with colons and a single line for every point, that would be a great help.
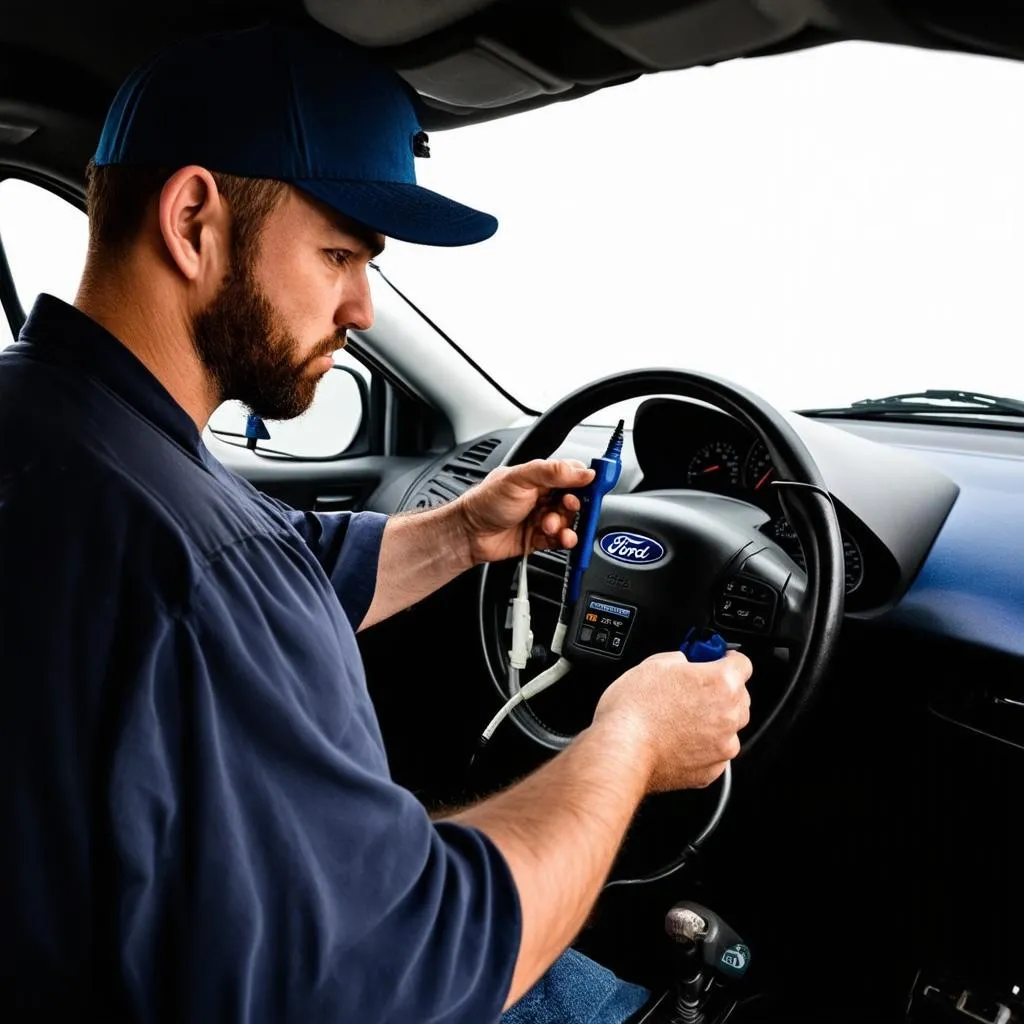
x: 577, y: 991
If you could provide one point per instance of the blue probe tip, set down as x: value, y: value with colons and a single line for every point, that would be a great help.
x: 614, y: 450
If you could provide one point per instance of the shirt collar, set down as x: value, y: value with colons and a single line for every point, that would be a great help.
x: 60, y: 333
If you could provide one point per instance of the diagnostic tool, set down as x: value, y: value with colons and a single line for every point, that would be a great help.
x: 604, y: 625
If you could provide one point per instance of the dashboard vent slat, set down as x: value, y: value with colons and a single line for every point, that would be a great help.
x: 478, y: 453
x: 466, y: 476
x: 454, y: 478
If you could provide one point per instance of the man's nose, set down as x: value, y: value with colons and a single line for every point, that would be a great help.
x: 355, y: 311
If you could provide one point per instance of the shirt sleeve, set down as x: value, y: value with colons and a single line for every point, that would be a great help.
x: 271, y: 869
x: 347, y: 546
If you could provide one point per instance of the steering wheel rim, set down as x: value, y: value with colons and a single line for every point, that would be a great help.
x: 806, y: 503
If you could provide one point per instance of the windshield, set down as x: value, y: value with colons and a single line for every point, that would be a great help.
x: 820, y: 227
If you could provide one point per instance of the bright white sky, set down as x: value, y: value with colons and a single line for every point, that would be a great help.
x: 820, y: 226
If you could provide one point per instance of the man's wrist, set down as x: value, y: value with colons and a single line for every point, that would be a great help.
x: 624, y: 739
x: 454, y: 536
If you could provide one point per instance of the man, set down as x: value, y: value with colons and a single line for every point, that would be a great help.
x: 199, y: 822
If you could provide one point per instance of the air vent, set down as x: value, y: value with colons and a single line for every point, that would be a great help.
x: 456, y: 477
x: 477, y: 455
x: 437, y: 492
x: 546, y: 570
x: 464, y: 475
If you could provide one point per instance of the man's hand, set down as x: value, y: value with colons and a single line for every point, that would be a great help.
x: 515, y: 509
x: 685, y: 716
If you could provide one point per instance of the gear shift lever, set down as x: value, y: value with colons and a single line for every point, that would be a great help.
x: 711, y: 956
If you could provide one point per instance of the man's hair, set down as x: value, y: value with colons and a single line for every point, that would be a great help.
x: 117, y: 197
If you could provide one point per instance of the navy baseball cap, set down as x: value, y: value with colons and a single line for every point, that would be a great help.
x: 296, y: 103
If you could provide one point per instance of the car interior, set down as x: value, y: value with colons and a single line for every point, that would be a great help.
x: 870, y: 560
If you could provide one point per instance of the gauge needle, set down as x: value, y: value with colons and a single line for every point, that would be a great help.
x: 760, y: 483
x: 710, y: 469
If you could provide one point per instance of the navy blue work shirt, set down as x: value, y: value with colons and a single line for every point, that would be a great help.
x: 198, y: 819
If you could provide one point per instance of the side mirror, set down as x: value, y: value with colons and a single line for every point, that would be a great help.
x: 332, y: 425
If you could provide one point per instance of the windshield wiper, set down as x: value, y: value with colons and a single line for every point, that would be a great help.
x: 933, y: 402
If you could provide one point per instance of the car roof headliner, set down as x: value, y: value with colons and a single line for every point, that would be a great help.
x: 470, y: 60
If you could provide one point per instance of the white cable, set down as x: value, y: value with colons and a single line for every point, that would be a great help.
x: 559, y: 637
x: 547, y: 678
x: 560, y: 630
x: 522, y: 635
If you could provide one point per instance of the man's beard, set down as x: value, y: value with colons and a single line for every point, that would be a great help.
x: 250, y: 354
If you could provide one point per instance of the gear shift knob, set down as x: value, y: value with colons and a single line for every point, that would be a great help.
x: 684, y: 924
x: 703, y: 935
x: 711, y: 956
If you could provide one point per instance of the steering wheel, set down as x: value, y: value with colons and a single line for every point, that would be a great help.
x: 666, y: 561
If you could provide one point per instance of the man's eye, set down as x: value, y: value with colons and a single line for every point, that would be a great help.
x: 339, y: 257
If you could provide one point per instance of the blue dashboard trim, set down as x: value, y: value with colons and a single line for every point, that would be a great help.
x: 971, y: 586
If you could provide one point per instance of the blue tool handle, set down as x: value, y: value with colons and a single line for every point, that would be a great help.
x: 606, y: 476
x: 704, y: 648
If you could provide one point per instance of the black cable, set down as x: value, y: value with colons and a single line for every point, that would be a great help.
x: 221, y: 435
x: 458, y: 348
x: 810, y: 487
x: 691, y: 849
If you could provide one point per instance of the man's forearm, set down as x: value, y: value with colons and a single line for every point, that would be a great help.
x: 559, y: 830
x: 419, y: 554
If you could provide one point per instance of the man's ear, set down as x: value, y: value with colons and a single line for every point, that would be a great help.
x: 195, y: 225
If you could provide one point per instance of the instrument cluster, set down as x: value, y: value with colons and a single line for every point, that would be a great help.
x: 718, y: 455
x: 718, y: 465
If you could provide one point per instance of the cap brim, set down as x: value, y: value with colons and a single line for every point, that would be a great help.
x: 409, y: 213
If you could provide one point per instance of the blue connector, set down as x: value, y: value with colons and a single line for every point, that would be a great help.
x: 703, y: 647
x: 607, y: 469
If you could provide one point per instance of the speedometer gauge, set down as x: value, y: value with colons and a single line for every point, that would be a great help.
x: 715, y: 467
x: 853, y: 561
x: 759, y: 471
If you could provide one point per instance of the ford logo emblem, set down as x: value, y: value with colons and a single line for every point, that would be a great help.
x: 632, y: 548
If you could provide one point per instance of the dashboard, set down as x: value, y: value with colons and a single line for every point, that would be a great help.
x: 715, y: 453
x: 890, y: 503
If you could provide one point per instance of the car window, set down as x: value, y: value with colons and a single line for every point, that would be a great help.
x: 819, y: 227
x: 45, y: 239
x: 326, y: 429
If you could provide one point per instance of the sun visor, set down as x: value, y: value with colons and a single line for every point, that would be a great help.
x: 391, y: 23
x: 691, y: 34
x: 487, y: 75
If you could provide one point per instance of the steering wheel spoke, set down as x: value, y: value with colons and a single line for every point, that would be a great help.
x: 764, y: 601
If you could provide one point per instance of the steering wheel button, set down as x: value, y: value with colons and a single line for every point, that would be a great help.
x: 749, y: 590
x: 601, y: 639
x: 586, y: 634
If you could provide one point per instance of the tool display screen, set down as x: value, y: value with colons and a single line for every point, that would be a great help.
x: 604, y: 625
